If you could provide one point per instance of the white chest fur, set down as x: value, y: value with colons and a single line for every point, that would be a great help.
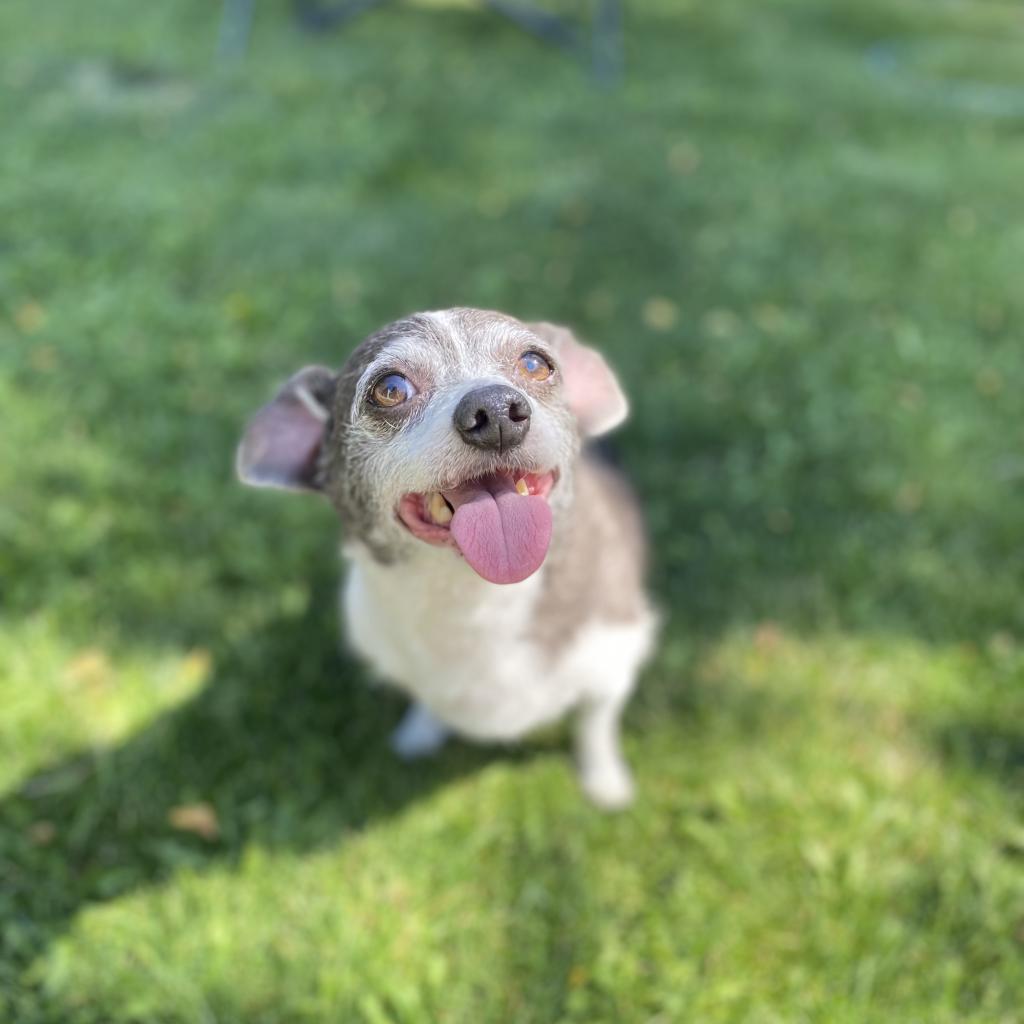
x: 458, y: 644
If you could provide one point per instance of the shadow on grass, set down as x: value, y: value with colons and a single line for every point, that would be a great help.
x: 994, y: 748
x: 288, y: 743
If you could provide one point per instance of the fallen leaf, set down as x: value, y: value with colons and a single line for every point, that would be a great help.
x: 578, y: 975
x: 199, y: 819
x: 660, y: 313
x: 683, y: 157
x: 238, y: 307
x: 29, y: 317
x: 576, y: 212
x: 767, y: 637
x: 1002, y: 644
x: 779, y: 520
x: 42, y: 833
x: 196, y: 666
x: 89, y: 667
x: 909, y: 497
x: 44, y: 359
x: 770, y: 319
x: 988, y: 381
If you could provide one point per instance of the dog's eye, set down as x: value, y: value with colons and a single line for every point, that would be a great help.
x: 390, y: 390
x: 534, y: 366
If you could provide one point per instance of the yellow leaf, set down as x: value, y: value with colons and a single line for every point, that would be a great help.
x: 29, y: 317
x: 89, y: 667
x: 44, y: 358
x: 578, y: 976
x: 196, y: 666
x: 988, y: 381
x: 42, y: 833
x: 199, y: 819
x: 660, y: 314
x: 683, y: 157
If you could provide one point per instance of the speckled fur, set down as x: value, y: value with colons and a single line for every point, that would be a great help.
x: 488, y: 662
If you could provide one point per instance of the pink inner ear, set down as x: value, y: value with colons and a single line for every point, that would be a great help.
x: 593, y: 392
x: 282, y: 443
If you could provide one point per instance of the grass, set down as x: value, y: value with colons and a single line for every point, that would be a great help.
x: 806, y: 263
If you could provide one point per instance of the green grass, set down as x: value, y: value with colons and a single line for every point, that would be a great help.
x: 806, y: 264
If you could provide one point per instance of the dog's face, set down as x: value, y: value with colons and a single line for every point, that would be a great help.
x: 456, y: 429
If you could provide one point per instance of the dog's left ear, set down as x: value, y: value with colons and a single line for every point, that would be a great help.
x: 281, y: 444
x: 592, y: 389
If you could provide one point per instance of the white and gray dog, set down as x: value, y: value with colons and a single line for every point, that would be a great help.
x: 496, y: 567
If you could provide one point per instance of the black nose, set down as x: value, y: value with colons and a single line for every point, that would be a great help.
x: 495, y: 417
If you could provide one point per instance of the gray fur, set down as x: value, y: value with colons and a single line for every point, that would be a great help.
x: 595, y: 568
x: 450, y: 348
x: 582, y: 623
x: 594, y: 507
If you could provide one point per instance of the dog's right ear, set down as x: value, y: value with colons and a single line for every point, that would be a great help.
x: 281, y: 444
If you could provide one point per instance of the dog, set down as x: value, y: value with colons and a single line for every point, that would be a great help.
x: 496, y: 563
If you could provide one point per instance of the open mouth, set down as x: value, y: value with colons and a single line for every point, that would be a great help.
x: 501, y: 523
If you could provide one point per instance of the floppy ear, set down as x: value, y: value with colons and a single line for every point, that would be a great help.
x: 592, y: 390
x: 281, y: 444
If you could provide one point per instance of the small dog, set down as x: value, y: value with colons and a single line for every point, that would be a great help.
x: 496, y: 567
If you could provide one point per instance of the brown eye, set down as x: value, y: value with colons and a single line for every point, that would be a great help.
x: 535, y: 366
x: 392, y: 389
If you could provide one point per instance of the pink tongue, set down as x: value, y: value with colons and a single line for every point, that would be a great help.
x: 502, y: 535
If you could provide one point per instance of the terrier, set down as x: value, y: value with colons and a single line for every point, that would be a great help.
x: 496, y: 564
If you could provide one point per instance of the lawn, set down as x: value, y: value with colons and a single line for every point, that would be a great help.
x: 796, y: 230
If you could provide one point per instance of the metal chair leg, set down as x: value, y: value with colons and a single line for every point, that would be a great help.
x: 322, y: 17
x: 605, y: 38
x: 235, y: 26
x: 606, y: 42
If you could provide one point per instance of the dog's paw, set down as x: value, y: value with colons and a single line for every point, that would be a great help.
x: 418, y: 735
x: 609, y: 786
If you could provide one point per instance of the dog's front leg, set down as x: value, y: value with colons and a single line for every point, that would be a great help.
x: 604, y: 774
x: 419, y: 734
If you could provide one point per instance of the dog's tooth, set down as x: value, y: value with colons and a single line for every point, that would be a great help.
x: 522, y: 488
x: 438, y: 509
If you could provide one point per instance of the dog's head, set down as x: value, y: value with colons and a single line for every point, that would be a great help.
x: 456, y: 429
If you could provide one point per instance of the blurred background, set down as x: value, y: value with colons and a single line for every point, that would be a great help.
x: 795, y: 228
